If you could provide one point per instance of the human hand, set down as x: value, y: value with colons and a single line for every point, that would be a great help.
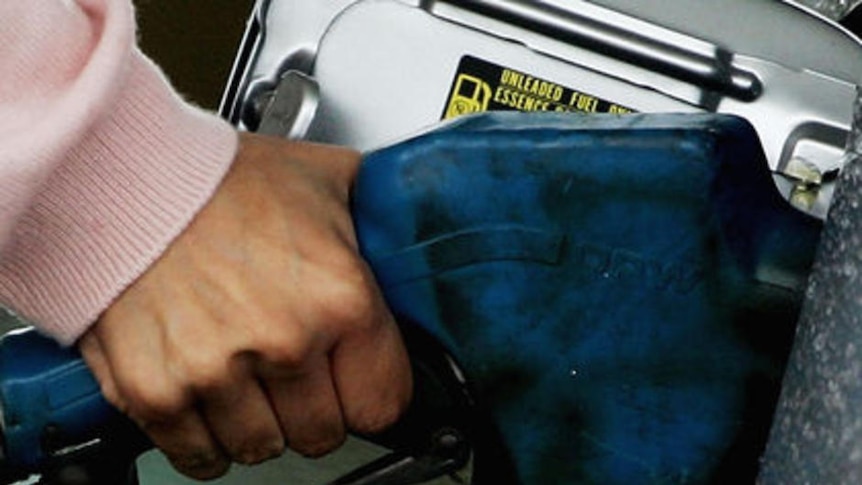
x: 260, y: 325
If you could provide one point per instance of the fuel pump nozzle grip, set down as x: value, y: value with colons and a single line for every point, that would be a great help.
x: 54, y: 416
x: 52, y: 409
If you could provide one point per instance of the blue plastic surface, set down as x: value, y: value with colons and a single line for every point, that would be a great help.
x: 45, y: 388
x: 622, y: 291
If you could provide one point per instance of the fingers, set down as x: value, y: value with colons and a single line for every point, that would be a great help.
x: 211, y: 410
x: 308, y: 409
x: 260, y: 325
x: 188, y: 444
x: 373, y: 378
x: 171, y: 424
x: 201, y: 409
x: 241, y: 419
x: 368, y: 364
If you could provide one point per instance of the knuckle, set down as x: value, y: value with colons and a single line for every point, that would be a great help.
x: 287, y: 350
x: 112, y: 395
x: 156, y: 403
x: 351, y: 298
x: 207, y: 378
x: 203, y: 370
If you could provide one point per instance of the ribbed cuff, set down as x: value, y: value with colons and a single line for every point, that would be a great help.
x: 114, y: 205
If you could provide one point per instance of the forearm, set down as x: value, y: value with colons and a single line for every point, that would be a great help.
x: 102, y: 164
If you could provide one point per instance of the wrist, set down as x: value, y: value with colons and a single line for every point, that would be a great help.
x: 114, y: 204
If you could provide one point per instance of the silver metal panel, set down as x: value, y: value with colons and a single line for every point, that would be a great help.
x: 381, y: 84
x: 386, y: 67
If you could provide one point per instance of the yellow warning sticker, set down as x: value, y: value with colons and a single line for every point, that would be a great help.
x: 480, y: 85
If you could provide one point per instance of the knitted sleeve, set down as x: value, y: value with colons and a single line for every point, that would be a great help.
x: 101, y: 163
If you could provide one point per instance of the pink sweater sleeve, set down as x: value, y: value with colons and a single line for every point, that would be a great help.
x: 101, y: 163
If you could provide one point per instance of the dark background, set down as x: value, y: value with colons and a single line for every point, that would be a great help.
x: 194, y: 41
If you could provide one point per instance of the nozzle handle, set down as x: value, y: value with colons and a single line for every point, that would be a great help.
x: 52, y: 406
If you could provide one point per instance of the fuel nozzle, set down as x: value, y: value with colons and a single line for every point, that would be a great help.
x: 56, y: 423
x: 53, y: 418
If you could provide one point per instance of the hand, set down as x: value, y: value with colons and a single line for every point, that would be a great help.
x: 260, y: 325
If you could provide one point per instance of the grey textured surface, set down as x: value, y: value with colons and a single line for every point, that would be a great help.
x: 817, y: 432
